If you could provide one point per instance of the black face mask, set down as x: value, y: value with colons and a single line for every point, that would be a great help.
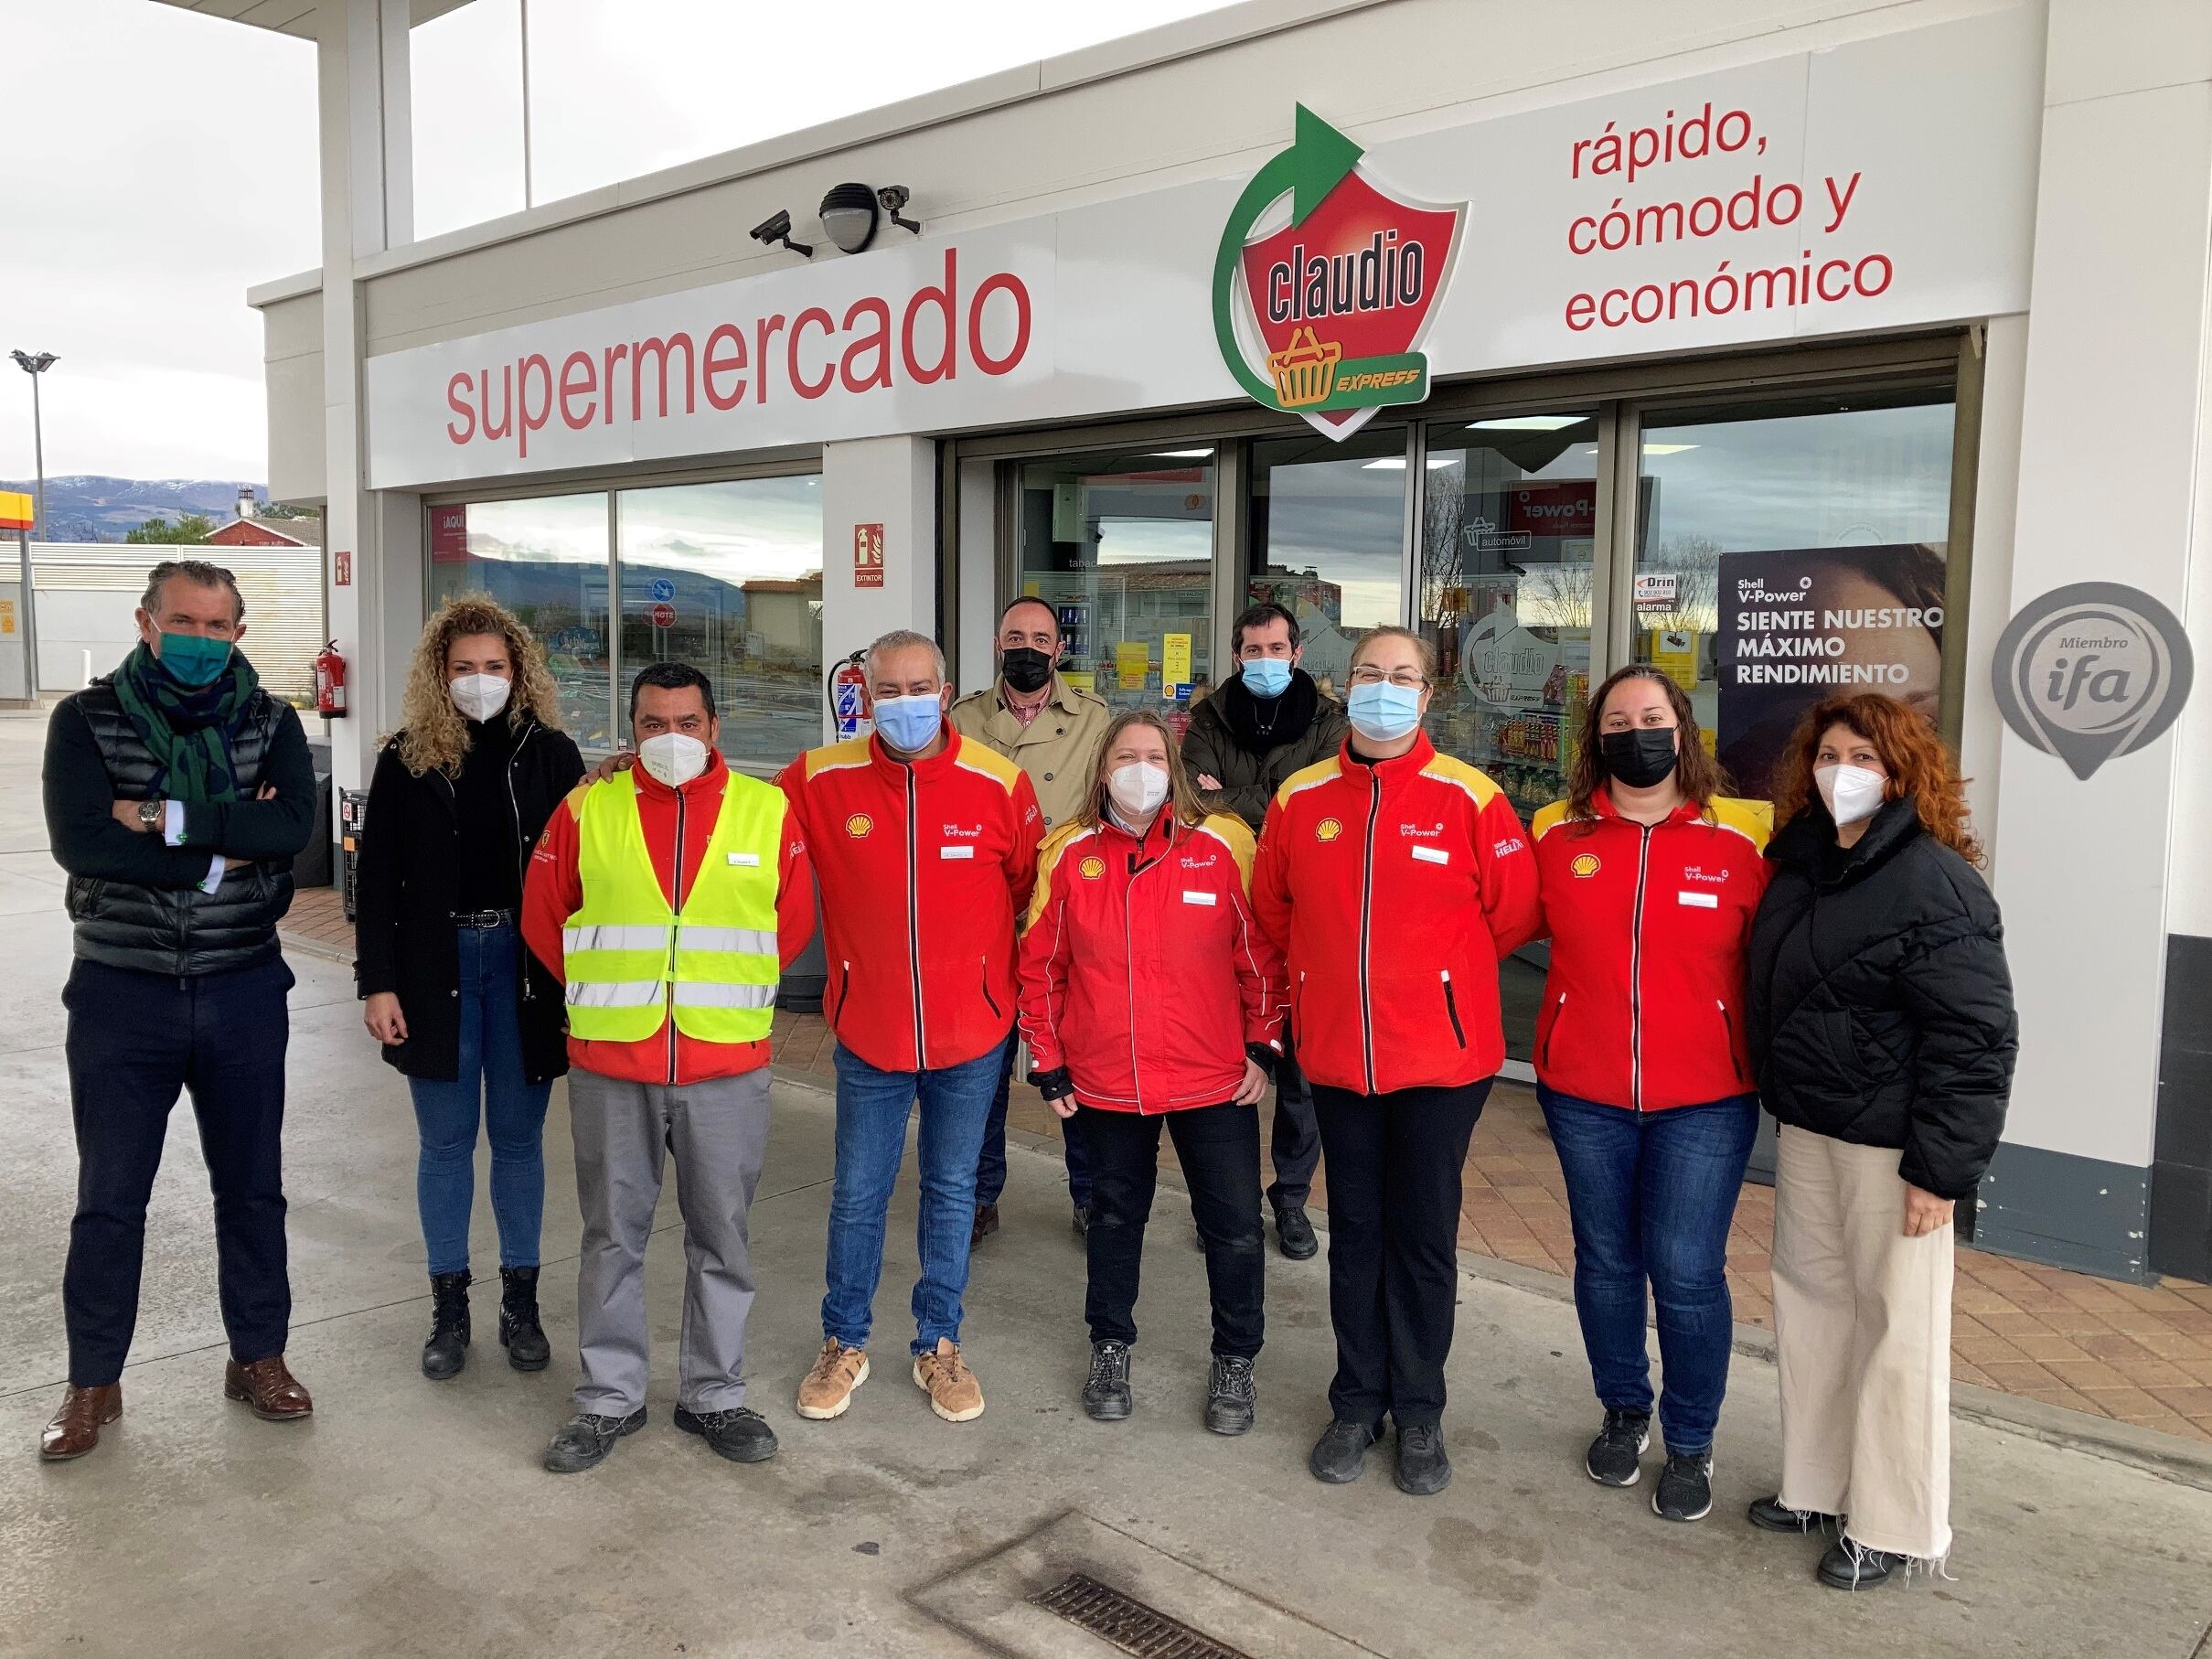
x: 1639, y: 758
x: 1026, y: 669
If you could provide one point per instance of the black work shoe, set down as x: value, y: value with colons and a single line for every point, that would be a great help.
x: 1107, y: 1395
x: 1771, y: 1515
x: 1424, y: 1468
x: 583, y: 1442
x: 1611, y: 1460
x: 740, y: 1434
x: 448, y: 1350
x: 1340, y: 1454
x: 985, y: 1225
x: 1849, y: 1566
x: 519, y: 1332
x: 1294, y: 1233
x: 1081, y: 1221
x: 1685, y: 1488
x: 1232, y: 1396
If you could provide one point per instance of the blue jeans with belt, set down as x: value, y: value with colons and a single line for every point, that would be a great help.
x: 1651, y: 1196
x: 488, y: 1086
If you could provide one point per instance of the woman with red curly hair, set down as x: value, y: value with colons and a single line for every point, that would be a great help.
x: 1882, y: 1028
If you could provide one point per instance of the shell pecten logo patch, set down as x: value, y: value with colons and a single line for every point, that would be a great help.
x: 858, y: 824
x: 1328, y: 829
x: 1583, y: 864
x: 1091, y: 869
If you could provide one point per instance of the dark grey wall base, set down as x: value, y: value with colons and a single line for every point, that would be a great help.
x: 2181, y: 1179
x: 2067, y: 1212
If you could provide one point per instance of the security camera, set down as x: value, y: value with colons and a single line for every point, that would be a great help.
x: 777, y: 230
x: 894, y: 197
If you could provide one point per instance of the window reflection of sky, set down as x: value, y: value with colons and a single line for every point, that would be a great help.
x: 737, y: 531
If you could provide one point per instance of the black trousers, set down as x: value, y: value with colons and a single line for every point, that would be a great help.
x: 136, y: 1040
x: 1295, y: 1146
x: 1219, y: 1148
x: 1395, y: 1164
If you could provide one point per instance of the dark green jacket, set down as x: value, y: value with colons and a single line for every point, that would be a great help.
x: 1249, y: 770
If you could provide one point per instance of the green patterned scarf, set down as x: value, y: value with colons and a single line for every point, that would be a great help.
x: 188, y: 730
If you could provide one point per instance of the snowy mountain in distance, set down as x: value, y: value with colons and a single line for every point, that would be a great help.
x: 94, y: 508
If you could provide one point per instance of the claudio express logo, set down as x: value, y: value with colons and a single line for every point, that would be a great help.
x: 2091, y: 670
x: 1322, y: 315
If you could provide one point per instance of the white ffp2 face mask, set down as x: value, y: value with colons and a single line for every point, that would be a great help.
x: 1850, y: 793
x: 479, y: 696
x: 673, y: 758
x: 1137, y: 790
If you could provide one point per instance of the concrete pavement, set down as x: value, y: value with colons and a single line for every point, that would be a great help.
x: 409, y: 1517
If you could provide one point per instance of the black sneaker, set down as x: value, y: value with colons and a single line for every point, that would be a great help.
x: 1080, y: 1220
x: 1339, y: 1456
x: 1849, y: 1566
x: 1294, y: 1233
x: 1232, y: 1396
x: 1612, y: 1458
x: 1423, y: 1468
x: 739, y: 1434
x: 1685, y: 1488
x: 1107, y: 1397
x: 583, y: 1442
x: 1771, y: 1515
x: 448, y: 1350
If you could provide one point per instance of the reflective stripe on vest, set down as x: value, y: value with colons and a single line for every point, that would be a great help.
x: 631, y: 958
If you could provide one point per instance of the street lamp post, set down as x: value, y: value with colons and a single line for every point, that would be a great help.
x: 33, y: 364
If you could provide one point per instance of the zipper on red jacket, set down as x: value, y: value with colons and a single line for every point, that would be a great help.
x: 1643, y: 864
x: 676, y: 906
x: 913, y: 911
x: 1374, y: 811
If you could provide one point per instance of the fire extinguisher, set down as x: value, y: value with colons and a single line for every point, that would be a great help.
x: 849, y: 705
x: 330, y: 681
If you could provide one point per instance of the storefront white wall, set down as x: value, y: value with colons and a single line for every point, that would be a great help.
x: 890, y: 482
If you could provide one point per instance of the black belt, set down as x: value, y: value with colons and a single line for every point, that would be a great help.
x: 483, y: 919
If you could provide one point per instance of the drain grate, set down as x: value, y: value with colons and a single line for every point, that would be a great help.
x: 1129, y: 1623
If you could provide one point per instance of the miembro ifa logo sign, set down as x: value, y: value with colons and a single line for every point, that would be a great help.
x: 1325, y: 283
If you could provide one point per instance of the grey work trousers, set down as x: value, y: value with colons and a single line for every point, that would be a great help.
x: 718, y: 1132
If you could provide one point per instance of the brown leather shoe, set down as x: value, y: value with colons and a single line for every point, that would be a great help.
x: 75, y: 1429
x: 270, y: 1390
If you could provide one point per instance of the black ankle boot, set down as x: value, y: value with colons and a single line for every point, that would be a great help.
x: 519, y: 1331
x: 448, y: 1350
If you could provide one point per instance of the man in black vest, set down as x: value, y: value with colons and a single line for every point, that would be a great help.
x: 177, y: 792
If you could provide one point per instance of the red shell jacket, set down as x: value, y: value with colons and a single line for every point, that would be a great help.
x: 1143, y: 971
x: 1643, y: 1006
x: 677, y: 823
x: 923, y: 869
x: 1395, y: 889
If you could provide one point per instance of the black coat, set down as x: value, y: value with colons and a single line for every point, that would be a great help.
x: 1878, y: 999
x: 135, y: 900
x: 404, y: 939
x: 1224, y: 741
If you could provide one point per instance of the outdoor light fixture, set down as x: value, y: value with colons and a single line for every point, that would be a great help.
x: 776, y: 229
x: 849, y: 217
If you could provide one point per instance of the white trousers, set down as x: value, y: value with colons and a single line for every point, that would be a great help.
x: 1862, y: 1322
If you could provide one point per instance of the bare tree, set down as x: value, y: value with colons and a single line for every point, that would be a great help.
x: 1443, y: 511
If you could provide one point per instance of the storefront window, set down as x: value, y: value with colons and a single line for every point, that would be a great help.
x: 1328, y: 535
x: 1787, y: 551
x: 1121, y: 544
x: 1509, y: 526
x: 728, y: 578
x: 546, y: 560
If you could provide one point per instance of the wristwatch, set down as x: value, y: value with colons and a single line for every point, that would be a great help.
x: 152, y: 814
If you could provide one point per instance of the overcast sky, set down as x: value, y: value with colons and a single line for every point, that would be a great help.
x: 157, y: 164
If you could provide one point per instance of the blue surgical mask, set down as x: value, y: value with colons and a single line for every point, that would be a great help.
x: 192, y: 660
x: 1267, y: 677
x: 1383, y: 713
x: 909, y: 724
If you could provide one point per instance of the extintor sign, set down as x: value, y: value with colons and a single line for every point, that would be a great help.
x: 2090, y: 672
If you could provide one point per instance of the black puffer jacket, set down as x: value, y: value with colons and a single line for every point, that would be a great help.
x: 137, y: 901
x: 404, y: 940
x: 1877, y: 999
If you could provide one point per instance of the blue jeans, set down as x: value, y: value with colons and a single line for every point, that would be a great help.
x: 872, y: 1108
x: 490, y: 1083
x: 1651, y: 1196
x: 990, y: 1168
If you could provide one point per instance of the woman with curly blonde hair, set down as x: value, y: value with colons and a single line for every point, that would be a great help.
x: 1883, y: 1037
x: 461, y: 792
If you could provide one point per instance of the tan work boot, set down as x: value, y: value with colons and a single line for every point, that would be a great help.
x: 953, y: 1393
x: 826, y: 1390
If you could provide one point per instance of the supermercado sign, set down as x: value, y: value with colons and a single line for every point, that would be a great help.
x: 1882, y: 184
